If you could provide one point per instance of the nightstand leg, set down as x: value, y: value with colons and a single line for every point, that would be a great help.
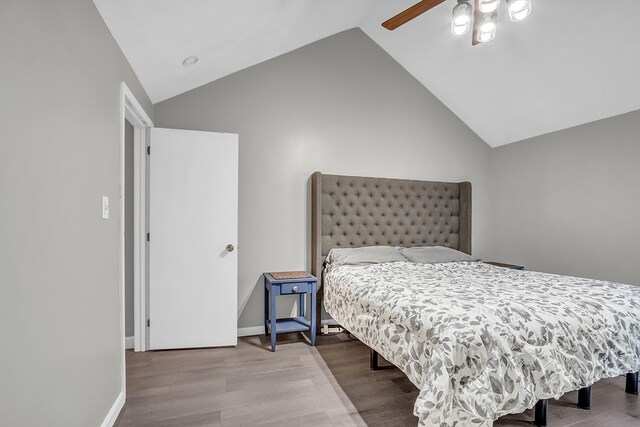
x: 273, y: 322
x: 266, y: 311
x: 301, y: 306
x: 313, y: 316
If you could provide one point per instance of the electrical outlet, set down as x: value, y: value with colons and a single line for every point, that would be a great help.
x: 326, y: 329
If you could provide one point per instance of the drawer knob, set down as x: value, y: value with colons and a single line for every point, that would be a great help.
x: 294, y: 289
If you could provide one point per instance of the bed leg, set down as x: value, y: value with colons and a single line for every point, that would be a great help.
x: 541, y: 413
x: 373, y: 360
x: 584, y: 398
x: 632, y: 383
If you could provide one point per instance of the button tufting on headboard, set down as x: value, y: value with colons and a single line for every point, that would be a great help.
x: 364, y: 222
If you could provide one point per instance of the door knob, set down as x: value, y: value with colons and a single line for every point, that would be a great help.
x: 230, y: 247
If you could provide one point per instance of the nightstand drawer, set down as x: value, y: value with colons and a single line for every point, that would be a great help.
x: 294, y: 288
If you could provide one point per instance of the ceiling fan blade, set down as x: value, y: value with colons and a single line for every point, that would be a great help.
x: 408, y: 14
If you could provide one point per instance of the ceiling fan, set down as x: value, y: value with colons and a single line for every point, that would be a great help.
x: 410, y: 13
x: 483, y: 15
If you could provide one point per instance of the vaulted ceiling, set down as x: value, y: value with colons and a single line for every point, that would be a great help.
x: 570, y: 62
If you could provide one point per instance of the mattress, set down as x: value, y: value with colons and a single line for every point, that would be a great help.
x: 481, y: 341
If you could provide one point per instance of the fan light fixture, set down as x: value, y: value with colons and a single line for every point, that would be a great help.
x: 518, y: 9
x: 488, y: 6
x: 487, y: 28
x: 461, y: 20
x: 485, y: 19
x: 481, y: 15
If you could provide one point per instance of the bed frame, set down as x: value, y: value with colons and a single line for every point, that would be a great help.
x: 353, y: 211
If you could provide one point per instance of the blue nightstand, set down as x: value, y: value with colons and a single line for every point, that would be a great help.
x: 281, y: 284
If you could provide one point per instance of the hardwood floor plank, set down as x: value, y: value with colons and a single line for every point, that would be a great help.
x: 206, y: 419
x: 319, y: 419
x: 177, y: 391
x: 279, y: 394
x: 342, y: 417
x: 275, y: 364
x: 268, y: 410
x: 613, y: 418
x: 631, y: 408
x: 266, y: 380
x: 152, y: 413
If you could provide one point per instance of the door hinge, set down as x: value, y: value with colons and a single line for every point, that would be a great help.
x: 148, y: 237
x: 148, y: 150
x: 148, y: 323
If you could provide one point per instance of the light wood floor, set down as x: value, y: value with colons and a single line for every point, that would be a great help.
x: 298, y: 385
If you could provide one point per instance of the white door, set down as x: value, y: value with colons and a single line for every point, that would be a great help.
x: 193, y: 217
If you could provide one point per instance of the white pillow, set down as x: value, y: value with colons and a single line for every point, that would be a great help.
x: 434, y: 254
x: 364, y: 255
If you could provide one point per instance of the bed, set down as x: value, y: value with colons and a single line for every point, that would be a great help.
x: 479, y: 341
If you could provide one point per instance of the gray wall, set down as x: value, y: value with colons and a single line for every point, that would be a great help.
x: 128, y: 229
x: 340, y: 105
x: 59, y: 153
x: 569, y: 202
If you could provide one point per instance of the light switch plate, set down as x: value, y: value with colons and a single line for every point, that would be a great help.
x: 105, y: 207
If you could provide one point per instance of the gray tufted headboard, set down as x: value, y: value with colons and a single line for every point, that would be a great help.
x: 353, y: 211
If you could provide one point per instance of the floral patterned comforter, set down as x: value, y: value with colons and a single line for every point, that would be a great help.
x: 481, y: 341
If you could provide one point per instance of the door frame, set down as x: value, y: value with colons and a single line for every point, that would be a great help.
x: 132, y: 111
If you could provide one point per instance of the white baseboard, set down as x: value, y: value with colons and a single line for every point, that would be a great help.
x: 251, y: 330
x: 129, y: 342
x: 112, y: 416
x: 259, y: 330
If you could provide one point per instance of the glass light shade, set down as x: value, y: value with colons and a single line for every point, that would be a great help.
x: 488, y: 6
x: 461, y: 19
x: 487, y: 29
x: 518, y: 9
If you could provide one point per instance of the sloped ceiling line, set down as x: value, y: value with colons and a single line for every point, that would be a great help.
x: 569, y: 63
